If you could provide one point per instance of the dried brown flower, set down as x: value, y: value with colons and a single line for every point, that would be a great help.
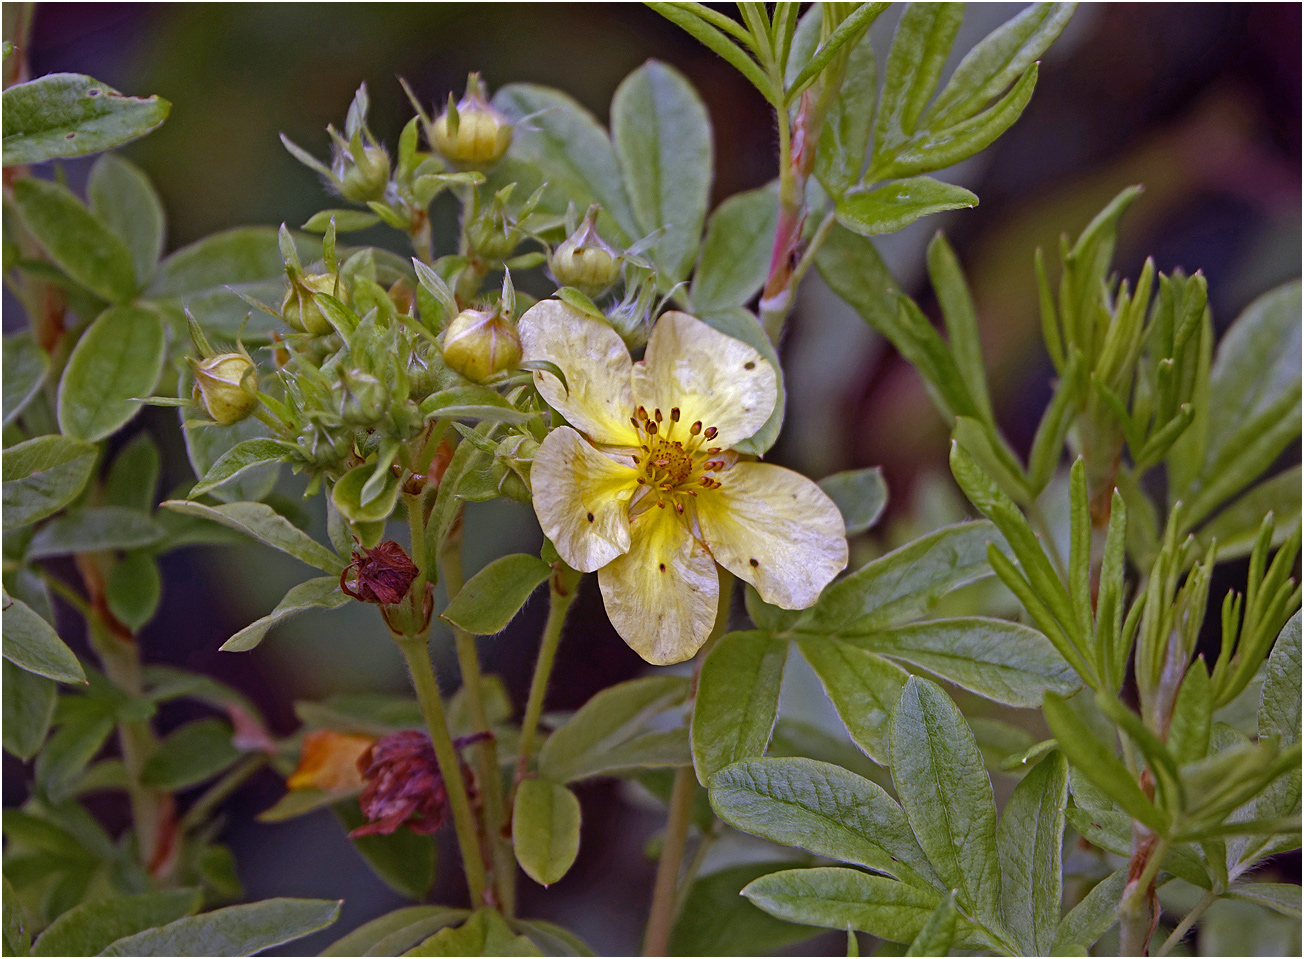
x: 382, y: 575
x: 404, y: 784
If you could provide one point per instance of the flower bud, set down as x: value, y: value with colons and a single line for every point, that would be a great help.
x: 363, y: 174
x: 586, y: 261
x: 472, y: 133
x: 226, y: 385
x: 300, y: 310
x: 478, y: 344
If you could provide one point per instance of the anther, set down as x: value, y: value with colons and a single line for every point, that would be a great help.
x: 674, y: 414
x: 679, y: 507
x: 641, y: 412
x: 695, y: 428
x: 710, y: 433
x: 657, y: 414
x: 714, y: 449
x: 652, y: 427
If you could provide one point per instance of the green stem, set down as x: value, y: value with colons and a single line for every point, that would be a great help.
x: 1136, y: 919
x: 450, y: 768
x: 562, y: 586
x: 215, y: 794
x: 1187, y: 922
x: 662, y: 915
x: 486, y: 751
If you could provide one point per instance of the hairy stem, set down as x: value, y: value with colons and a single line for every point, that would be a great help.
x: 1136, y: 910
x: 1187, y: 922
x: 486, y: 751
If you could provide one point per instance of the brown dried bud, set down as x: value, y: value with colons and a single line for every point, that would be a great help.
x: 404, y: 784
x: 382, y: 575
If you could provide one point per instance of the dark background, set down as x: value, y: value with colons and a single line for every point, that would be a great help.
x: 1200, y: 103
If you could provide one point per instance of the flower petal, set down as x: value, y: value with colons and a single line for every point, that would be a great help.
x: 775, y: 529
x: 582, y: 499
x: 661, y: 596
x: 711, y: 377
x: 596, y: 365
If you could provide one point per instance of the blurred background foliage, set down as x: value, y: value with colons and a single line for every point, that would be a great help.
x: 1200, y: 103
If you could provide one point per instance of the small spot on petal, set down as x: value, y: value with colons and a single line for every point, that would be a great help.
x: 662, y: 566
x: 755, y: 562
x: 749, y: 365
x: 590, y: 517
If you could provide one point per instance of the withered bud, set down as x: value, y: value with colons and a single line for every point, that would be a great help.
x: 404, y: 784
x: 382, y: 575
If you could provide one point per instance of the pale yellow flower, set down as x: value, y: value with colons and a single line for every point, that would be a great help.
x: 646, y: 490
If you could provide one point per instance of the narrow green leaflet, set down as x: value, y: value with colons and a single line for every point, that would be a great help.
x: 486, y: 933
x: 919, y: 50
x: 550, y: 938
x: 823, y: 809
x: 1029, y: 843
x: 894, y: 206
x: 115, y: 363
x: 25, y: 366
x: 631, y: 725
x: 1279, y: 715
x: 1002, y: 661
x: 961, y: 322
x: 471, y: 402
x: 492, y: 597
x: 28, y: 704
x: 346, y: 221
x: 43, y: 475
x: 1236, y: 526
x: 841, y: 898
x: 545, y: 830
x: 265, y: 524
x: 735, y: 255
x: 349, y: 494
x: 83, y: 728
x: 234, y: 931
x: 1091, y: 918
x: 32, y: 643
x: 77, y: 240
x: 369, y: 936
x: 323, y: 592
x: 205, y: 445
x: 904, y: 583
x: 94, y: 528
x: 860, y: 495
x: 947, y: 795
x: 133, y: 475
x: 840, y: 156
x: 570, y: 148
x: 716, y: 921
x: 863, y: 687
x: 17, y: 938
x: 71, y: 115
x: 737, y: 700
x: 938, y: 934
x: 1282, y: 897
x: 239, y: 459
x: 88, y: 928
x: 662, y: 138
x: 190, y: 754
x: 122, y: 196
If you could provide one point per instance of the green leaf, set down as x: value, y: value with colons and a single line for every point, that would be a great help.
x: 1002, y: 661
x: 1282, y: 897
x: 387, y: 935
x: 472, y: 402
x: 1029, y: 842
x: 486, y: 933
x: 716, y: 921
x: 346, y: 221
x: 134, y: 589
x: 961, y: 322
x: 850, y: 31
x: 844, y: 140
x: 1188, y: 731
x: 28, y: 703
x: 699, y: 27
x: 1279, y: 715
x: 348, y: 498
x: 863, y: 687
x: 133, y: 475
x: 82, y: 732
x: 1098, y: 763
x: 189, y: 755
x: 234, y: 931
x: 737, y: 700
x: 43, y: 475
x: 94, y: 528
x: 570, y: 149
x: 25, y: 365
x: 904, y: 583
x: 551, y: 939
x: 823, y: 809
x: 71, y: 115
x: 618, y: 729
x: 947, y: 795
x: 17, y: 938
x: 851, y: 266
x: 938, y: 934
x: 893, y: 207
x: 919, y: 50
x: 239, y: 459
x: 735, y: 256
x: 841, y: 898
x: 742, y: 325
x: 545, y: 830
x: 32, y: 643
x: 662, y: 138
x: 404, y: 860
x: 323, y: 592
x: 999, y: 60
x: 1236, y: 527
x: 860, y: 495
x: 205, y: 445
x: 493, y: 596
x: 118, y: 359
x: 122, y: 196
x: 78, y: 241
x: 88, y: 928
x: 265, y: 524
x: 1091, y: 918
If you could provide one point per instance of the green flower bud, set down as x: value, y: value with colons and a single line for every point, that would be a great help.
x: 366, y: 399
x: 472, y: 133
x: 479, y: 344
x: 586, y: 261
x: 226, y: 385
x: 300, y: 310
x: 364, y: 177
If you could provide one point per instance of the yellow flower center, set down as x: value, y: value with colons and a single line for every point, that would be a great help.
x: 673, y: 458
